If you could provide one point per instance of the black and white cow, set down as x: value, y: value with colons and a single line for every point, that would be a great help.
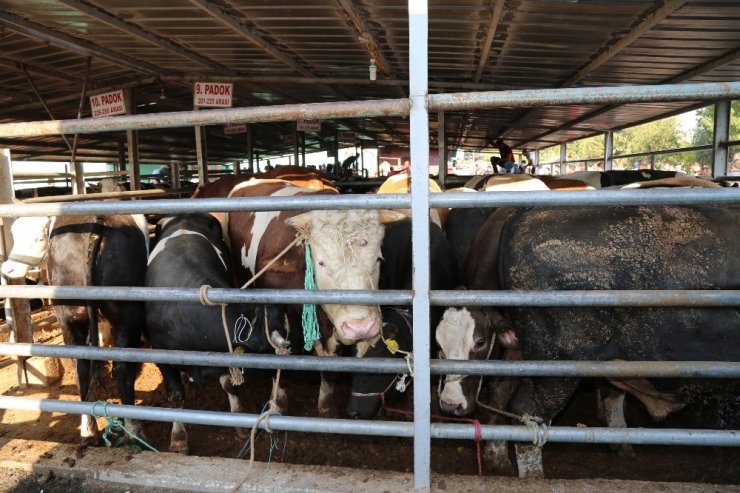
x: 190, y: 252
x: 607, y: 248
x: 395, y: 273
x: 90, y: 251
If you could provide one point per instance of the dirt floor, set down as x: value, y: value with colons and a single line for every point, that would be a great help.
x: 564, y: 461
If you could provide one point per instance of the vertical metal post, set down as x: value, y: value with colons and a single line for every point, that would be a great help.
x: 175, y: 175
x: 608, y: 150
x: 442, y: 149
x: 563, y: 158
x: 419, y: 139
x: 132, y: 139
x: 121, y: 165
x: 536, y: 162
x: 17, y: 310
x: 296, y: 144
x: 653, y: 158
x: 250, y: 148
x: 336, y: 151
x: 721, y: 136
x: 79, y: 183
x: 200, y: 153
x: 303, y: 149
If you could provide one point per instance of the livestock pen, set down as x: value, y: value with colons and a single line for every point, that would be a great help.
x: 421, y: 429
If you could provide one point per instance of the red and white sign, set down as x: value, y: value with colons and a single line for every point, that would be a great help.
x: 235, y: 128
x: 110, y: 103
x: 212, y: 94
x: 312, y: 125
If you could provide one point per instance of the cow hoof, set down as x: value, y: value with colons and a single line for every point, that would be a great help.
x: 327, y: 412
x: 624, y: 450
x: 179, y: 448
x: 91, y: 441
x: 496, y: 457
x: 243, y: 433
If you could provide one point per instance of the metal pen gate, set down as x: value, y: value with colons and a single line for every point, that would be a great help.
x: 416, y: 106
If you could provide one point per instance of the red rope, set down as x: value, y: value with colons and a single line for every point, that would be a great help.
x: 474, y: 422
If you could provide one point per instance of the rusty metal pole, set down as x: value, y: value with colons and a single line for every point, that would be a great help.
x: 132, y: 140
x: 17, y: 310
x: 250, y: 148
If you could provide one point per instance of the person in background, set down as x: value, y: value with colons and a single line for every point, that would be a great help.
x: 695, y: 168
x: 507, y: 157
x: 705, y: 171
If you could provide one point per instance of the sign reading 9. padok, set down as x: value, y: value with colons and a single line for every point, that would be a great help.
x: 212, y: 94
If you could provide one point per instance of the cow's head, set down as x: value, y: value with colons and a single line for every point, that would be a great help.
x: 468, y: 334
x: 30, y: 244
x: 345, y: 250
x: 368, y: 388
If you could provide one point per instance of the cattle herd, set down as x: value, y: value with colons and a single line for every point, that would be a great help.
x: 538, y: 249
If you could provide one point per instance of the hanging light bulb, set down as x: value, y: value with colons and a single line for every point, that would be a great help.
x: 373, y: 69
x: 162, y: 95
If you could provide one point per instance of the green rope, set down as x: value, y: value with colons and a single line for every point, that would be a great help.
x: 113, y: 426
x: 310, y: 322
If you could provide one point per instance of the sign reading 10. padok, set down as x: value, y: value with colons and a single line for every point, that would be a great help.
x: 108, y: 104
x: 212, y: 94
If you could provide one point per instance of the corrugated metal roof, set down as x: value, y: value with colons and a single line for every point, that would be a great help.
x: 282, y: 51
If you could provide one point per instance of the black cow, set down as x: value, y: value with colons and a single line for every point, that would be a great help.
x: 190, y: 252
x: 100, y: 251
x: 462, y: 226
x: 395, y: 273
x: 614, y: 248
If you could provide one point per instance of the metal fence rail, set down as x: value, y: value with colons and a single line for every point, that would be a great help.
x: 562, y: 434
x: 609, y: 369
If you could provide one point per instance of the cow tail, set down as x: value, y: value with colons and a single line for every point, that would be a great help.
x: 96, y: 239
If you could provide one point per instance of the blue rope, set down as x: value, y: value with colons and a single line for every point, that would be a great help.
x: 309, y: 320
x: 113, y: 426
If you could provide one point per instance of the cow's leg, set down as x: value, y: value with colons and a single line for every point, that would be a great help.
x: 126, y: 322
x: 73, y: 322
x: 540, y: 398
x: 175, y: 399
x: 326, y: 405
x: 614, y: 416
x: 235, y: 404
x: 496, y: 453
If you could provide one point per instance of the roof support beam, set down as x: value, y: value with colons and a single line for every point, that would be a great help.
x: 39, y: 69
x: 366, y: 37
x: 237, y: 24
x: 704, y: 68
x: 84, y: 47
x: 493, y: 21
x: 129, y: 27
x: 643, y: 26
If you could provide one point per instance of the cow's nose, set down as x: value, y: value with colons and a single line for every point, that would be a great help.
x: 353, y: 413
x: 453, y: 408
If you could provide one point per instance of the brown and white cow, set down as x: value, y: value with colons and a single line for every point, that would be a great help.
x: 345, y: 248
x: 401, y: 183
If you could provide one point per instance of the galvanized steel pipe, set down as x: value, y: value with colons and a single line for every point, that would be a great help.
x: 276, y: 113
x: 527, y: 98
x: 616, y: 369
x: 650, y: 197
x: 723, y: 438
x: 637, y: 298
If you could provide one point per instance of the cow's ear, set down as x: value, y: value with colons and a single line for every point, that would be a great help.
x: 301, y: 222
x: 389, y: 216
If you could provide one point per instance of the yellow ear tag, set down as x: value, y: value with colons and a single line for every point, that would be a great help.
x: 239, y: 350
x: 392, y: 345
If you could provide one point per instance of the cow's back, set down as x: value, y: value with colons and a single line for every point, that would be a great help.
x: 624, y: 248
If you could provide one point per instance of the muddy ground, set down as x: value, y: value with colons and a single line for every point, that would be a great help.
x: 564, y: 461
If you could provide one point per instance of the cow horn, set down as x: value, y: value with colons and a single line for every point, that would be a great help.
x: 389, y: 216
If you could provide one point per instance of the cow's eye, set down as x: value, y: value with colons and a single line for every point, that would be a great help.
x: 480, y: 343
x: 322, y: 263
